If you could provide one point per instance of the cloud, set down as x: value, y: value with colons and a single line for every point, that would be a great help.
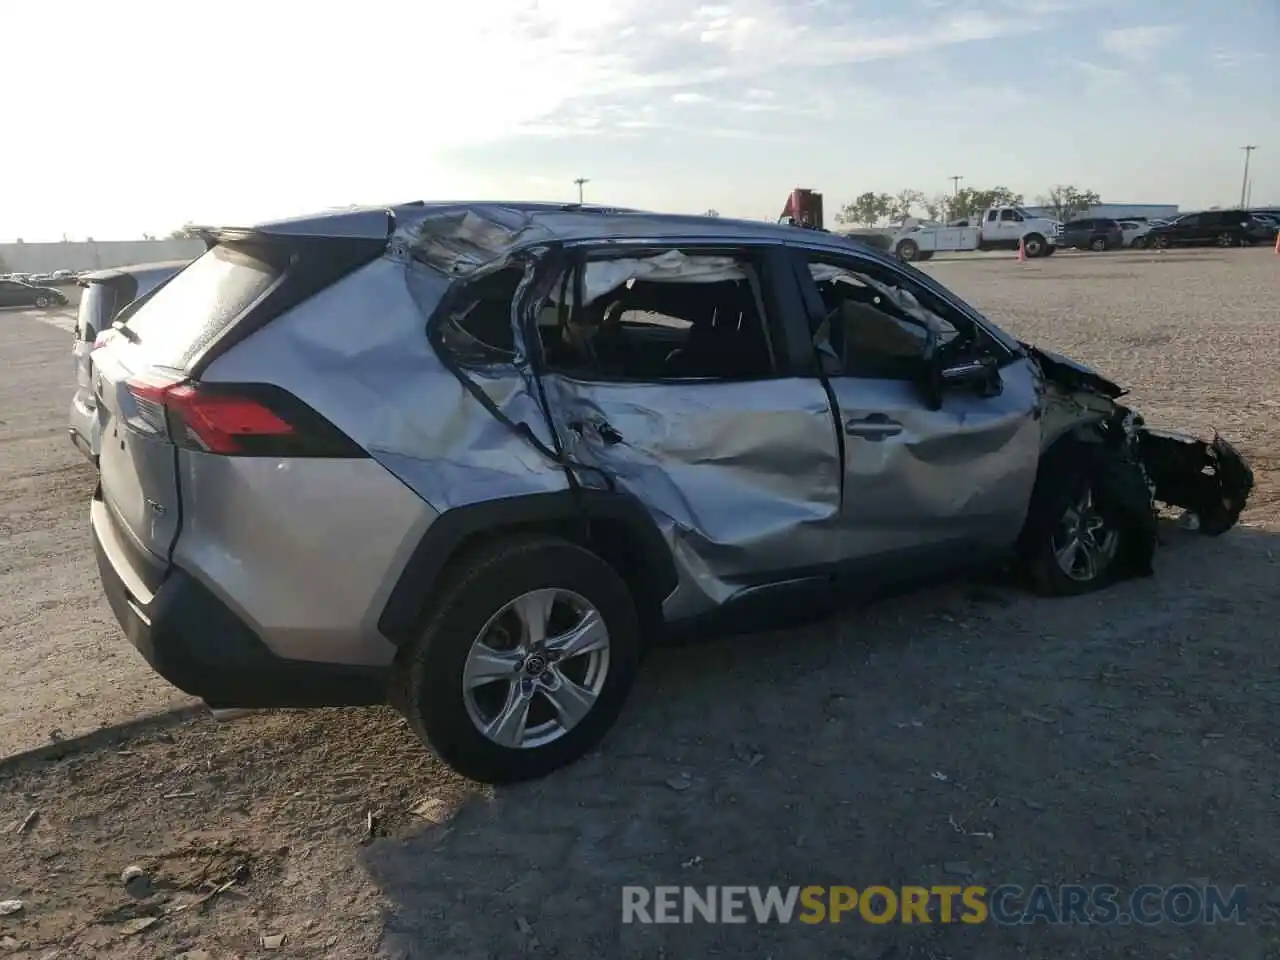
x: 1138, y: 44
x: 1096, y: 73
x: 1232, y: 60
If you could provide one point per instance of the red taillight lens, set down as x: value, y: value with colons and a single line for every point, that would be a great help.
x: 248, y: 420
x: 223, y: 423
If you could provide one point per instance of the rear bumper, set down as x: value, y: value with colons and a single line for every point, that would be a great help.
x: 197, y: 643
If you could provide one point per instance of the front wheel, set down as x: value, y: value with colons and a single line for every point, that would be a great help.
x: 1137, y: 243
x: 42, y: 302
x: 908, y: 250
x: 1090, y: 522
x: 925, y: 255
x: 1034, y: 245
x: 1225, y: 239
x: 1158, y: 243
x: 1098, y: 244
x: 525, y: 662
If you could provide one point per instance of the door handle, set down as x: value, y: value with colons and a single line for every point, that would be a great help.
x: 875, y: 427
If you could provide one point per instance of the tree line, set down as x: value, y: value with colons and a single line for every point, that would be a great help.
x: 871, y: 209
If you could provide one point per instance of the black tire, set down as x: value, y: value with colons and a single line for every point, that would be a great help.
x: 924, y: 255
x: 427, y: 675
x: 1120, y: 497
x: 42, y: 302
x: 1034, y: 245
x: 1098, y: 244
x: 907, y: 250
x: 1138, y: 243
x: 1050, y: 249
x: 1225, y: 239
x: 1158, y: 242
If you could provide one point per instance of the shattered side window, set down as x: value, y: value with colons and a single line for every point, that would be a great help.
x: 477, y: 330
x: 878, y: 326
x: 671, y: 316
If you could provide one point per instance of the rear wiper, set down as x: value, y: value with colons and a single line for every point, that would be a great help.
x: 124, y: 331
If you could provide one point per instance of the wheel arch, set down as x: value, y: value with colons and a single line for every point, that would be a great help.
x: 616, y: 526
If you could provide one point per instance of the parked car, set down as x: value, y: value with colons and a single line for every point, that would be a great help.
x: 1093, y: 233
x: 1134, y: 232
x: 1222, y: 228
x: 472, y: 458
x: 20, y: 293
x: 104, y: 296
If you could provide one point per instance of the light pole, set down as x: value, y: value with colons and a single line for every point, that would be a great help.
x: 955, y: 185
x: 580, y: 181
x: 1244, y: 184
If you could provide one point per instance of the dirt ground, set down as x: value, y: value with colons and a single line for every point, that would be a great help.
x: 968, y: 734
x: 63, y: 670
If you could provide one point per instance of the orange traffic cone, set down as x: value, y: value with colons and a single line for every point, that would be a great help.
x: 1022, y: 250
x: 1278, y: 242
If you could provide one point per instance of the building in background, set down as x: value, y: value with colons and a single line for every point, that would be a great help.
x: 1117, y: 211
x: 93, y: 254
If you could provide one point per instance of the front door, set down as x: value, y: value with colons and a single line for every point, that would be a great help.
x: 925, y: 490
x: 670, y: 375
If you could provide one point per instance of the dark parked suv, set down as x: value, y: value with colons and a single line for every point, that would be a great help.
x: 1093, y: 233
x: 1222, y: 228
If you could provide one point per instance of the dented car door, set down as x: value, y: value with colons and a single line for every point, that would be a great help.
x: 927, y: 487
x: 696, y: 412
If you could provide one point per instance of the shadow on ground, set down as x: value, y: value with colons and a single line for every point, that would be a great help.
x: 964, y: 736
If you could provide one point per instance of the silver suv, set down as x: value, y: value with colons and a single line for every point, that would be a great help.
x: 472, y: 458
x: 103, y: 298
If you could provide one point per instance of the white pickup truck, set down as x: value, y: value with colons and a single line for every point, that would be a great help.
x: 1000, y: 228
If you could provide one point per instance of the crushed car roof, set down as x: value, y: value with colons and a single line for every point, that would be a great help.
x: 536, y: 221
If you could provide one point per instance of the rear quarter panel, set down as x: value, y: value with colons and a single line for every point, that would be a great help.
x: 308, y: 550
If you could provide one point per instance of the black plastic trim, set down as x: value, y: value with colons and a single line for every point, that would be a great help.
x: 408, y: 603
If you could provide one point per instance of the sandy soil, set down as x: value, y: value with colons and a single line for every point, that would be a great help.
x: 965, y: 734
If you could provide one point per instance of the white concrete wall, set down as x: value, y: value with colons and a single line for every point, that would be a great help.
x: 92, y: 255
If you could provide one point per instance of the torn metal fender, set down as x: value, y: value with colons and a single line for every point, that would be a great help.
x: 1209, y: 478
x: 1071, y: 374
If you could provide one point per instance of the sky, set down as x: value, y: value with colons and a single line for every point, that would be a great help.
x: 133, y: 116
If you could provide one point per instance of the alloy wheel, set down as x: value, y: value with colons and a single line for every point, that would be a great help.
x: 1084, y: 543
x: 536, y: 669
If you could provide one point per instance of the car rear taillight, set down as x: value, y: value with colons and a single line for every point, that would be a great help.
x: 237, y: 420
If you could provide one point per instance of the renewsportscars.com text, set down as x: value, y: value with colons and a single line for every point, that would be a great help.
x: 1005, y: 905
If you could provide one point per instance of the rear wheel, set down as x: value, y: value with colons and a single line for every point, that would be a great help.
x: 42, y: 301
x: 1225, y: 239
x: 925, y: 255
x: 908, y: 250
x: 1138, y: 243
x: 1098, y: 244
x: 1158, y: 242
x: 525, y: 662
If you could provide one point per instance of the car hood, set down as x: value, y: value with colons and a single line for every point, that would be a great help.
x: 1072, y: 373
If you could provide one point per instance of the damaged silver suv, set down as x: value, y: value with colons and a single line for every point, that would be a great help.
x: 472, y: 458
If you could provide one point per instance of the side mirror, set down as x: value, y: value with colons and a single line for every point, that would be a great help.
x: 980, y: 374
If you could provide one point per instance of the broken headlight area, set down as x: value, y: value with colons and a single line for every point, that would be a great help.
x: 1210, y: 479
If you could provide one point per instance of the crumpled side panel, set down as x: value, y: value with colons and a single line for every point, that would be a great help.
x: 741, y: 478
x: 358, y: 353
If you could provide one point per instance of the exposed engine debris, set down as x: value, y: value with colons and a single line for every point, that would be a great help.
x: 1134, y: 468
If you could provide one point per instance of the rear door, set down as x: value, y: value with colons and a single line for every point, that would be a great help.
x: 674, y: 375
x: 137, y: 461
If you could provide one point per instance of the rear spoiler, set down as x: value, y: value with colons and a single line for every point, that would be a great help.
x: 367, y: 223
